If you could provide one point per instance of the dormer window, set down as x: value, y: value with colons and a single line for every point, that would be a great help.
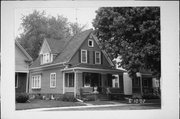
x: 90, y: 43
x: 46, y: 58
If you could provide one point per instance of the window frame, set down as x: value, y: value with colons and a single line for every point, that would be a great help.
x: 46, y: 58
x: 99, y: 57
x: 35, y: 80
x: 51, y: 80
x: 145, y: 81
x: 90, y: 40
x: 67, y: 80
x: 136, y: 82
x: 16, y: 80
x: 85, y: 56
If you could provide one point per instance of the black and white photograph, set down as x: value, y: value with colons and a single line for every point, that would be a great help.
x: 76, y: 58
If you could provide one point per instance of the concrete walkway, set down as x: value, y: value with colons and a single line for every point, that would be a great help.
x: 88, y: 105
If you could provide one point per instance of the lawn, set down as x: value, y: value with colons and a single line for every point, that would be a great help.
x: 115, y: 107
x: 37, y: 103
x: 45, y: 104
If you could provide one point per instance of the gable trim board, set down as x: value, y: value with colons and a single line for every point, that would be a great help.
x: 79, y: 47
x: 23, y: 50
x: 104, y: 52
x: 48, y: 65
x: 45, y: 43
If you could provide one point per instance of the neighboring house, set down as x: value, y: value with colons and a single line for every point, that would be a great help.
x: 67, y: 65
x: 22, y: 62
x: 144, y: 81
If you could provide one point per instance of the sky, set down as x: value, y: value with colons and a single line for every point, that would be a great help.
x: 84, y: 16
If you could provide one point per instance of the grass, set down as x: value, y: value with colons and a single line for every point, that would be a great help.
x: 37, y: 103
x: 123, y: 107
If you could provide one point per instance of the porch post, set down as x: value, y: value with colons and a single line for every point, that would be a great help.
x: 27, y: 82
x: 103, y: 79
x: 75, y: 80
x: 141, y: 86
x: 63, y: 82
x: 139, y: 75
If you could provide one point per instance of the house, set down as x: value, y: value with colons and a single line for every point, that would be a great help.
x: 22, y: 62
x: 67, y: 65
x: 145, y: 83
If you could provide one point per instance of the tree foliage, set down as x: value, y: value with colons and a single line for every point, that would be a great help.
x: 37, y: 26
x: 132, y: 34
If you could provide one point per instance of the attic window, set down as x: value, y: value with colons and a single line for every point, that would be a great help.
x: 46, y: 58
x: 90, y: 43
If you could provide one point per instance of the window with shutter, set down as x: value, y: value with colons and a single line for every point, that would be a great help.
x: 83, y: 56
x: 97, y: 57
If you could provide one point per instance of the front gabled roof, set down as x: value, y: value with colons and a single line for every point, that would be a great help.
x: 72, y: 47
x: 66, y: 48
x: 23, y: 51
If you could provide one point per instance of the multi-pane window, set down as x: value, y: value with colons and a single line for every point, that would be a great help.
x: 83, y: 56
x: 145, y: 82
x: 69, y: 79
x: 136, y: 82
x: 36, y: 81
x: 52, y: 80
x: 90, y: 43
x: 97, y: 57
x: 46, y: 58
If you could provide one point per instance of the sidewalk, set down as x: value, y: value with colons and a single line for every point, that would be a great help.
x: 90, y: 106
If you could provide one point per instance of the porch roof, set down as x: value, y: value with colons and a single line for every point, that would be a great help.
x: 94, y: 70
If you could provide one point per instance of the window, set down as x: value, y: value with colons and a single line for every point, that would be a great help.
x: 145, y: 82
x: 83, y: 56
x: 90, y: 43
x: 97, y: 58
x: 46, y: 58
x: 36, y: 82
x: 52, y: 80
x: 16, y: 80
x: 69, y: 79
x: 136, y: 82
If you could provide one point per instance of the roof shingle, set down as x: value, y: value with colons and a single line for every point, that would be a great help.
x: 64, y: 48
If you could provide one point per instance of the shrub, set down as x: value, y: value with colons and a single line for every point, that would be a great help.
x: 90, y: 98
x: 69, y: 98
x: 22, y: 98
x: 151, y: 97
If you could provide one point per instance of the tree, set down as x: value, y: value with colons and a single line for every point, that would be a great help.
x: 133, y: 35
x: 76, y: 28
x: 37, y: 26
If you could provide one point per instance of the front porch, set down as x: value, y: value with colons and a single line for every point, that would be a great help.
x: 146, y: 85
x: 77, y: 79
x: 21, y: 82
